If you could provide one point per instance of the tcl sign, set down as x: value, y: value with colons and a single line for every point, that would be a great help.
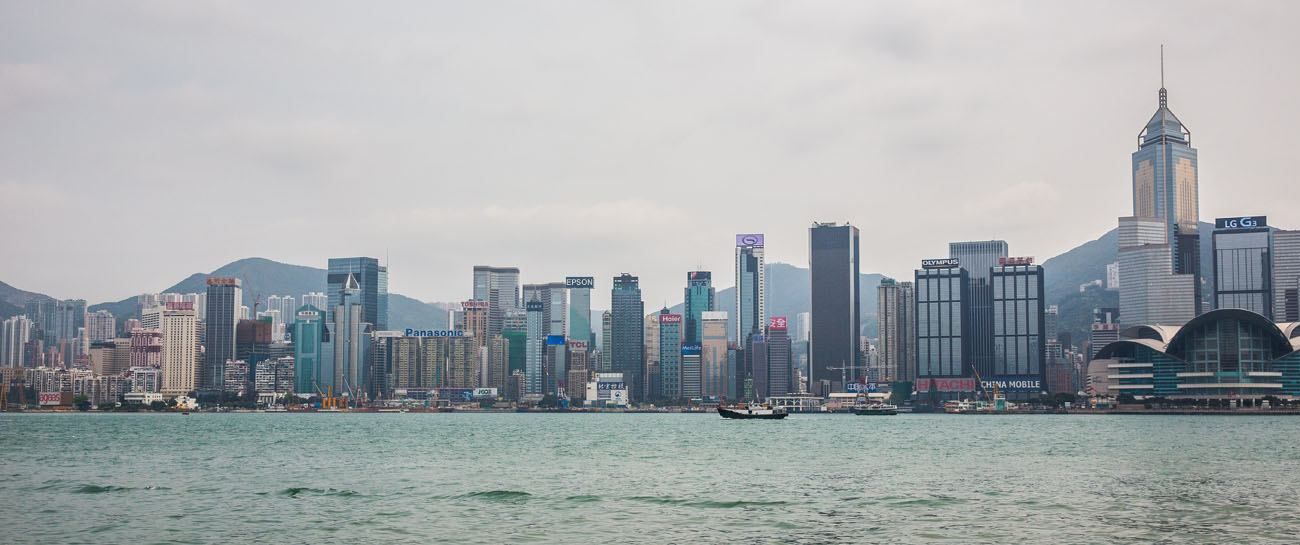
x: 1243, y: 222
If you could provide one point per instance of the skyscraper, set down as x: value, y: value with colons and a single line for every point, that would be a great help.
x: 1165, y: 182
x: 751, y: 286
x: 101, y: 326
x: 223, y: 301
x: 535, y: 347
x: 779, y: 380
x: 15, y: 335
x: 1019, y: 331
x: 555, y: 312
x: 180, y: 343
x: 606, y: 336
x: 1150, y: 292
x: 1243, y: 261
x: 897, y: 330
x: 691, y: 379
x: 316, y: 299
x: 1286, y: 276
x: 499, y: 286
x: 372, y: 287
x: 475, y: 318
x: 349, y: 336
x: 979, y: 258
x: 627, y: 317
x: 713, y: 353
x: 835, y: 308
x: 309, y: 337
x: 670, y: 356
x: 941, y: 289
x: 580, y: 309
x: 699, y: 299
x: 650, y: 339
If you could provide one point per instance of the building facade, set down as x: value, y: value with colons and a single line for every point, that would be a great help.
x: 751, y: 286
x: 309, y: 339
x: 1286, y: 276
x: 224, y: 297
x: 499, y: 286
x: 371, y: 281
x: 1019, y: 331
x: 627, y: 317
x: 699, y: 298
x: 713, y: 354
x: 835, y: 308
x: 1242, y: 251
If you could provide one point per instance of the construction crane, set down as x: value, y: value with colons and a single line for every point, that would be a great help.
x: 327, y: 400
x: 844, y: 378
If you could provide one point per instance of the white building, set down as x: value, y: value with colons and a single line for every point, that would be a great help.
x: 606, y: 390
x: 179, y: 326
x: 16, y: 332
x: 1150, y: 292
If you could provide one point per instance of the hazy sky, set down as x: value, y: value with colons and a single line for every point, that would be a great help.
x: 141, y: 142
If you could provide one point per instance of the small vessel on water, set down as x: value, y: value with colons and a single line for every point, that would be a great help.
x: 753, y: 411
x: 876, y: 409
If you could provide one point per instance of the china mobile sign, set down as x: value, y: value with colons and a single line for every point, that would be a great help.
x: 1014, y: 383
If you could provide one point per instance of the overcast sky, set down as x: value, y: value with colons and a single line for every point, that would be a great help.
x: 141, y: 142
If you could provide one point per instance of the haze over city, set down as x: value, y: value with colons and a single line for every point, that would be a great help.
x: 596, y: 138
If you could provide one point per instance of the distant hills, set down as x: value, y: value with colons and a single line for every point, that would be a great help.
x: 787, y: 289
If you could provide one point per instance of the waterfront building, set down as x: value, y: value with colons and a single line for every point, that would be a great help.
x: 579, y: 322
x: 223, y: 299
x: 1019, y: 330
x: 1242, y: 250
x: 713, y: 354
x: 179, y: 355
x: 16, y: 333
x: 941, y: 328
x: 499, y: 286
x: 309, y: 340
x: 756, y: 368
x: 275, y: 376
x: 834, y: 306
x: 535, y: 347
x: 670, y: 355
x: 751, y: 286
x: 371, y: 287
x: 691, y: 378
x: 555, y: 315
x: 348, y: 335
x: 978, y: 259
x: 1225, y: 354
x: 627, y: 322
x: 699, y: 298
x: 1286, y: 276
x: 146, y: 347
x: 145, y: 379
x: 896, y: 305
x: 779, y: 380
x: 498, y: 363
x: 1150, y: 290
x: 607, y: 390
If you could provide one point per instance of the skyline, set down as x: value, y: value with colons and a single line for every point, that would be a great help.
x: 881, y: 101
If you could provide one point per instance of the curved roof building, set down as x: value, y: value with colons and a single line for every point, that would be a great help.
x: 1222, y: 354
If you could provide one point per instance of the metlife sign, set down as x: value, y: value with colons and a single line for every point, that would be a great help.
x: 579, y: 282
x: 1242, y: 222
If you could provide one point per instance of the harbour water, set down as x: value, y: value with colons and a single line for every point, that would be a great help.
x: 646, y: 478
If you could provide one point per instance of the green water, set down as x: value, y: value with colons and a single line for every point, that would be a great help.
x: 643, y: 478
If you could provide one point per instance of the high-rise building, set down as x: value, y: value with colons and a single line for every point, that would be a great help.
x: 670, y: 355
x: 941, y: 328
x: 499, y: 286
x: 579, y: 322
x: 1286, y: 276
x: 555, y: 315
x: 349, y: 335
x: 315, y: 299
x: 100, y: 326
x: 896, y: 305
x: 220, y: 324
x: 1112, y: 276
x: 14, y: 336
x: 699, y: 299
x: 1104, y: 330
x: 535, y: 347
x: 606, y: 355
x: 1243, y: 261
x: 1150, y: 291
x: 691, y: 378
x: 979, y: 258
x: 474, y: 321
x: 627, y: 317
x: 835, y: 312
x: 1019, y: 330
x: 650, y: 339
x: 179, y: 354
x: 498, y: 363
x: 1165, y: 184
x: 309, y: 339
x: 779, y: 380
x: 56, y: 321
x: 751, y: 286
x: 146, y: 348
x: 713, y: 353
x: 371, y: 279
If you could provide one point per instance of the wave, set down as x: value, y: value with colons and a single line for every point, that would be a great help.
x: 706, y: 504
x: 499, y: 495
x: 294, y: 492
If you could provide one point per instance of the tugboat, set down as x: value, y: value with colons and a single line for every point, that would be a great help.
x: 876, y: 409
x: 753, y: 410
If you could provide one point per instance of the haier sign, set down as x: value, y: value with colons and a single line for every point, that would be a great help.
x: 1243, y: 222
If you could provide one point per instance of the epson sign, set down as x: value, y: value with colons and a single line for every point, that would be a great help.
x: 580, y: 282
x: 1243, y: 222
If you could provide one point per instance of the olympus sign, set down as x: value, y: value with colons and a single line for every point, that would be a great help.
x: 1243, y: 222
x: 946, y: 263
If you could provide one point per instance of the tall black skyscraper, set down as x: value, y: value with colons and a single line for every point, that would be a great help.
x: 627, y: 331
x: 835, y: 314
x: 373, y: 281
x: 225, y: 296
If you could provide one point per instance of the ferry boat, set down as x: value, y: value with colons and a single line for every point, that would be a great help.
x: 876, y: 409
x: 753, y: 411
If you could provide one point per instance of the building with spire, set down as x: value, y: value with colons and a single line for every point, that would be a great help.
x: 699, y: 298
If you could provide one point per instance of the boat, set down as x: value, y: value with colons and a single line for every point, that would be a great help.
x: 876, y: 409
x: 753, y: 411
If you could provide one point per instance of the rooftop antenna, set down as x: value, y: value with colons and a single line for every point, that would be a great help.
x: 1164, y: 96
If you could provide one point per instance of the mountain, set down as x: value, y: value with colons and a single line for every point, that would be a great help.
x: 262, y: 277
x: 12, y: 300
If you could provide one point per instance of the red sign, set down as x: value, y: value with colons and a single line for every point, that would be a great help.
x: 474, y: 304
x: 960, y: 384
x: 222, y: 281
x: 578, y: 346
x: 1015, y: 261
x: 670, y: 318
x: 180, y: 305
x: 51, y: 398
x: 778, y: 323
